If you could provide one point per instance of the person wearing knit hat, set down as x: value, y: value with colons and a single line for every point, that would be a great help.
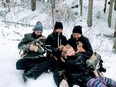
x: 58, y: 28
x: 77, y: 37
x: 58, y: 25
x: 32, y: 48
x: 53, y: 42
x: 77, y: 29
x: 56, y: 38
x: 38, y: 29
x: 29, y: 37
x: 38, y: 26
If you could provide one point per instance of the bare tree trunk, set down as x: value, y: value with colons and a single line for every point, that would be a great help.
x: 8, y: 5
x: 110, y: 13
x: 53, y: 12
x: 114, y: 46
x: 115, y: 29
x: 90, y: 11
x: 105, y: 5
x: 115, y: 5
x: 81, y: 7
x: 33, y: 5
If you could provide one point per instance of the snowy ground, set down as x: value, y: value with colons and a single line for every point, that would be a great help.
x: 10, y: 37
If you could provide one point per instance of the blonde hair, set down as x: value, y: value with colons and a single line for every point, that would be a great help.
x: 64, y: 51
x: 66, y: 48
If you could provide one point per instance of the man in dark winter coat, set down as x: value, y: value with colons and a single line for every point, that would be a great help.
x: 53, y: 43
x: 78, y: 37
x: 33, y: 62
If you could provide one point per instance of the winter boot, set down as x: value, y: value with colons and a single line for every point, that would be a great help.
x: 24, y: 77
x: 63, y: 83
x: 27, y: 75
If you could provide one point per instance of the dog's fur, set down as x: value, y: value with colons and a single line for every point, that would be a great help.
x: 80, y: 47
x: 94, y: 61
x: 64, y: 51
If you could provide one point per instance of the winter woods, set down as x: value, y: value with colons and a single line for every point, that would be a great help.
x: 60, y: 10
x: 60, y: 7
x: 21, y: 19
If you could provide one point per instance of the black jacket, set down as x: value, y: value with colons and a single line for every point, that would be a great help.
x: 76, y: 70
x: 86, y: 44
x: 53, y: 41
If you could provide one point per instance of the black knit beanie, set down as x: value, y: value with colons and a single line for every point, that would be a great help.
x: 77, y: 29
x: 58, y: 25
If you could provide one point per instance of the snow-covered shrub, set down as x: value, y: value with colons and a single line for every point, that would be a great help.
x: 64, y: 13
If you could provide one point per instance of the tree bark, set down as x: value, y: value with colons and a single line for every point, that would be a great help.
x: 114, y: 46
x: 8, y: 5
x: 53, y: 12
x: 33, y: 5
x: 90, y: 12
x: 81, y: 7
x: 110, y: 13
x: 105, y: 5
x: 115, y: 29
x: 115, y: 5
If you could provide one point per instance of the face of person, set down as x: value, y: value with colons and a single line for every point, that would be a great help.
x: 38, y: 32
x: 69, y: 52
x: 59, y: 30
x: 76, y: 35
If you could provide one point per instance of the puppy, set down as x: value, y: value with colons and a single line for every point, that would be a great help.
x: 80, y: 47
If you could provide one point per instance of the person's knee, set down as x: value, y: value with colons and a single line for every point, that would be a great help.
x: 91, y: 82
x: 19, y: 64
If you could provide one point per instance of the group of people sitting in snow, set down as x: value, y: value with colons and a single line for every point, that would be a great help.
x: 72, y: 61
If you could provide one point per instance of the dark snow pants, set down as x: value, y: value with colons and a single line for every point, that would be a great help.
x: 35, y: 66
x: 57, y: 77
